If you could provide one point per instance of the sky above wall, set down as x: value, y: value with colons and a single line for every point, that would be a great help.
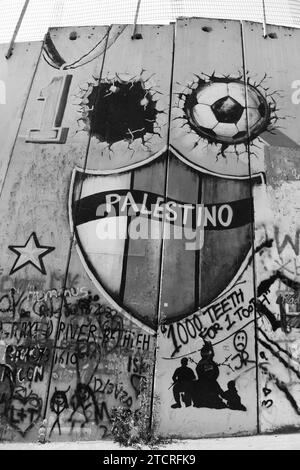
x: 44, y: 13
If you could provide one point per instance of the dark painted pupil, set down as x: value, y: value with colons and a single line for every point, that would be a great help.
x: 227, y: 110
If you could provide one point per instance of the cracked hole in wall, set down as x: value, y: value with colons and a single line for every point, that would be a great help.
x: 116, y: 110
x: 227, y: 112
x: 124, y: 111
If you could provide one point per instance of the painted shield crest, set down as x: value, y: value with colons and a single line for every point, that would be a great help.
x: 161, y: 231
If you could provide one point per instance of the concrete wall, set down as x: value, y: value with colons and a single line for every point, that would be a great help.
x: 187, y: 141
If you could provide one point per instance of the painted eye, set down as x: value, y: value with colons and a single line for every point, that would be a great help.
x: 217, y: 111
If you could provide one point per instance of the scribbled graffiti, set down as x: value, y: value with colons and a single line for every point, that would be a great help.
x: 6, y: 388
x: 58, y: 404
x: 240, y: 342
x: 25, y: 410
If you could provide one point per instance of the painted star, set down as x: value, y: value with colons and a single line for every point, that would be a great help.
x: 31, y: 253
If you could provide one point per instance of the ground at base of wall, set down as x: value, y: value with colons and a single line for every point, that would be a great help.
x: 266, y: 442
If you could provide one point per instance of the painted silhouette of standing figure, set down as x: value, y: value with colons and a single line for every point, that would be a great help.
x: 183, y: 378
x: 207, y: 391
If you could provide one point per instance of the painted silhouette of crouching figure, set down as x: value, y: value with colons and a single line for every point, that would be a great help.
x: 232, y: 397
x: 183, y: 378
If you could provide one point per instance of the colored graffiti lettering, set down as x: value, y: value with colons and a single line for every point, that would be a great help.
x: 53, y: 280
x: 19, y: 284
x: 182, y: 332
x: 137, y: 364
x: 68, y: 354
x: 126, y: 339
x: 246, y: 313
x: 289, y: 298
x: 287, y: 241
x: 12, y: 302
x: 42, y: 295
x: 27, y: 354
x: 40, y: 331
x: 30, y: 374
x: 43, y: 303
x: 84, y: 332
x: 31, y: 330
x: 99, y: 387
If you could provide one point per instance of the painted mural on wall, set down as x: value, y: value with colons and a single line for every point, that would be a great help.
x: 207, y: 120
x: 135, y: 221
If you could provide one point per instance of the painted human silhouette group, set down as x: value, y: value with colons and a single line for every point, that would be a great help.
x: 204, y: 390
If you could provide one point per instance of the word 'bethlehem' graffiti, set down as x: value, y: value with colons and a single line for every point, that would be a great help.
x: 143, y: 208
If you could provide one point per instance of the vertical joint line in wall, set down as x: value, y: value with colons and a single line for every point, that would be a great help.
x: 252, y: 218
x: 95, y: 106
x: 126, y: 247
x: 72, y: 242
x: 57, y: 330
x: 198, y: 252
x: 161, y: 270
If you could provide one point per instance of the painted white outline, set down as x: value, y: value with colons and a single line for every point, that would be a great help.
x: 129, y: 168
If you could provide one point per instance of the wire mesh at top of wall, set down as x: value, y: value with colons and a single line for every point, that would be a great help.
x: 277, y: 11
x: 44, y: 13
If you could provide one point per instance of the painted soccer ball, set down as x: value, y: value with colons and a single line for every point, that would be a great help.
x: 217, y: 111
